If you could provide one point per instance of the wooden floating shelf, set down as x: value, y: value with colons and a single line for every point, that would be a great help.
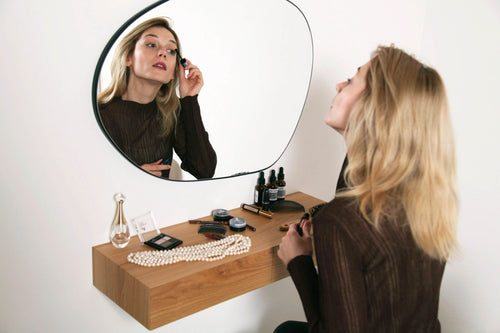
x: 156, y: 296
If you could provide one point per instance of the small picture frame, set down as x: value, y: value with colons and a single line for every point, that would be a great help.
x: 149, y: 234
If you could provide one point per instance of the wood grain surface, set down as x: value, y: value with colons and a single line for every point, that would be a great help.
x: 156, y: 296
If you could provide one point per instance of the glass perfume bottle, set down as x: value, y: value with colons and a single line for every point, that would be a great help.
x: 119, y: 233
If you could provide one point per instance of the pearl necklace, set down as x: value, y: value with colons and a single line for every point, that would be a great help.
x: 212, y: 251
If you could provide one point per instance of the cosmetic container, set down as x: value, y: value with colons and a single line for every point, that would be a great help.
x: 259, y: 189
x: 273, y: 188
x: 221, y: 215
x: 256, y: 210
x: 281, y: 184
x: 119, y: 233
x: 237, y: 224
x: 265, y: 200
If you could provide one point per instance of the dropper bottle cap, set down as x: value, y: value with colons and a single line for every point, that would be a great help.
x: 261, y: 180
x: 272, y: 178
x: 281, y: 174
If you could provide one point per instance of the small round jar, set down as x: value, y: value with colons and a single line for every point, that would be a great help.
x: 221, y: 215
x: 237, y: 224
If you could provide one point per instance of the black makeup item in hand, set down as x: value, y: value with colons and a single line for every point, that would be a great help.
x: 166, y: 161
x: 299, y: 227
x: 163, y: 242
x: 181, y: 59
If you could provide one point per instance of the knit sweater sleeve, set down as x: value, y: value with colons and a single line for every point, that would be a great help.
x: 335, y: 298
x: 305, y: 278
x: 191, y: 141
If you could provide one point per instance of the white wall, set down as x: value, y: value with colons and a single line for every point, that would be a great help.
x: 59, y: 173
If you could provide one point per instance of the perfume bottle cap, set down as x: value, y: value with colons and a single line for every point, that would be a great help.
x: 119, y: 197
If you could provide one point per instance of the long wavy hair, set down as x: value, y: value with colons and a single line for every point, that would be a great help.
x: 401, y: 150
x: 166, y: 99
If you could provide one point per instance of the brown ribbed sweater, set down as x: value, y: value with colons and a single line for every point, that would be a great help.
x: 135, y: 129
x: 367, y: 281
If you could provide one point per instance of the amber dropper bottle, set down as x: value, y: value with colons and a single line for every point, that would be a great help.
x: 265, y: 200
x: 259, y: 189
x: 273, y: 188
x: 281, y: 184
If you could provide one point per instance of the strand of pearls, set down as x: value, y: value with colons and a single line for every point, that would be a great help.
x: 212, y: 251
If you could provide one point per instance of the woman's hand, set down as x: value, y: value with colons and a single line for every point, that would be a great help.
x: 191, y: 84
x: 155, y: 168
x: 293, y: 245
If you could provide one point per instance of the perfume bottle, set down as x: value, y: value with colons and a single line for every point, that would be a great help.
x: 119, y: 233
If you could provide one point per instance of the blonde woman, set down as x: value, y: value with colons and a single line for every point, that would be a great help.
x: 140, y: 109
x: 381, y: 245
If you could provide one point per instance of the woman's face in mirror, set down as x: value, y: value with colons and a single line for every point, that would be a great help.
x: 153, y: 60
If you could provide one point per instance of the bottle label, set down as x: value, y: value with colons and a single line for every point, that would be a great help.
x: 273, y: 194
x: 281, y: 192
x: 256, y: 197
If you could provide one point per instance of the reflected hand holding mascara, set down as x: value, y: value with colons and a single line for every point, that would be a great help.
x: 182, y: 60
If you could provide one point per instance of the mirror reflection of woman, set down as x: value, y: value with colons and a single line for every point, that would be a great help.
x: 140, y: 108
x: 382, y: 244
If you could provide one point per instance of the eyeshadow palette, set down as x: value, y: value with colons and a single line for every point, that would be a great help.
x: 163, y: 242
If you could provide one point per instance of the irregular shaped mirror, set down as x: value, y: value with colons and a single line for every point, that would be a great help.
x: 256, y: 61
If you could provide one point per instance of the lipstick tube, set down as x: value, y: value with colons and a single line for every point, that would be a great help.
x: 257, y: 210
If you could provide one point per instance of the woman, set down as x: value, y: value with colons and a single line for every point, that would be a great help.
x: 141, y: 111
x: 382, y: 243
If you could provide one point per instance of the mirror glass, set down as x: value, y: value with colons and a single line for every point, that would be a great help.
x: 256, y: 59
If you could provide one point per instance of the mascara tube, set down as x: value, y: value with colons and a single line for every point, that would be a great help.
x: 299, y: 227
x: 256, y: 210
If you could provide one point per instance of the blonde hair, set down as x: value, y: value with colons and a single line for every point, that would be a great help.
x: 166, y: 99
x: 401, y: 150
